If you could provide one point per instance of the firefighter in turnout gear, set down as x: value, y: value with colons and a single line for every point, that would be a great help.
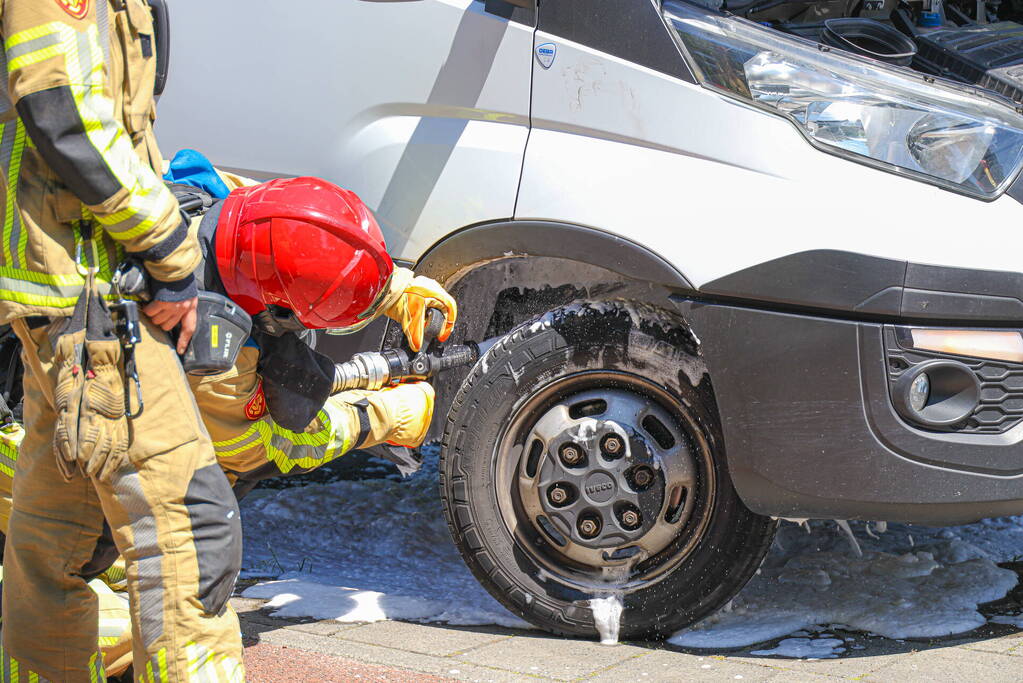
x: 272, y: 414
x: 81, y: 194
x: 303, y: 254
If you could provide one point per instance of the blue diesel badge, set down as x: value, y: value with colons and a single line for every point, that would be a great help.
x: 546, y: 53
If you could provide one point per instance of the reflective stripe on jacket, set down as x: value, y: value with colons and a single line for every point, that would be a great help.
x: 77, y: 153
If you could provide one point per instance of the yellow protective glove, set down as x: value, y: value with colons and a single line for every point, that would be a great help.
x: 398, y: 415
x: 418, y: 297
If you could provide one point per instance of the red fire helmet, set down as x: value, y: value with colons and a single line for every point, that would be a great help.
x: 304, y: 244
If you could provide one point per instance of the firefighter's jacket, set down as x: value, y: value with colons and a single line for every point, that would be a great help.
x: 77, y: 151
x: 272, y: 413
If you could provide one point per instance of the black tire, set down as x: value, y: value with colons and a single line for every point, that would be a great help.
x: 712, y: 554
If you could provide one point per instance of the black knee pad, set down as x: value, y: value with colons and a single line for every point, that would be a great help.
x: 217, y: 535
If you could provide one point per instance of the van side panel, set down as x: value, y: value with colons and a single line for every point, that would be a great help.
x: 422, y: 108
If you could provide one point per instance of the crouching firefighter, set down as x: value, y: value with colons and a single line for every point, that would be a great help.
x: 296, y: 255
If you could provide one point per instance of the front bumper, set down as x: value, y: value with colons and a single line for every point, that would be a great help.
x: 810, y: 429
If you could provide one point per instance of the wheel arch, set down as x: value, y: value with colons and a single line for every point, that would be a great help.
x: 451, y: 258
x: 503, y: 273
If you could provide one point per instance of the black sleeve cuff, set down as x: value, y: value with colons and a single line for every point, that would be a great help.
x: 166, y: 247
x: 179, y: 290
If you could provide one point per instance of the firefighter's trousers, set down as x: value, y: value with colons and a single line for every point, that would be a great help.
x: 173, y: 518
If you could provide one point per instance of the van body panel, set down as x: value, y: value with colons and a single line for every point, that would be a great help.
x: 421, y: 108
x: 716, y: 186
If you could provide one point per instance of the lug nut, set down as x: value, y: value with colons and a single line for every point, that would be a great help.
x: 642, y: 477
x: 571, y: 454
x: 612, y: 445
x: 558, y: 494
x: 589, y: 527
x: 630, y: 519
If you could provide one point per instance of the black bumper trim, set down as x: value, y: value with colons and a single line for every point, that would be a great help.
x: 861, y: 287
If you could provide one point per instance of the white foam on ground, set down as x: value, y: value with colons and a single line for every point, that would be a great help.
x: 294, y: 597
x: 805, y: 648
x: 899, y: 588
x: 362, y: 551
x: 380, y: 549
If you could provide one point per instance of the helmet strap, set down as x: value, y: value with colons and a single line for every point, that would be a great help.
x: 277, y: 321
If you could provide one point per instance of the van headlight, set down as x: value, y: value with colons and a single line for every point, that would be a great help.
x: 886, y: 116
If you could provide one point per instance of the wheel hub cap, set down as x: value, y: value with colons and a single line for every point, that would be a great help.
x: 608, y: 487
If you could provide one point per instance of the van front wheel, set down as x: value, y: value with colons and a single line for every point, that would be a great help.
x: 583, y: 459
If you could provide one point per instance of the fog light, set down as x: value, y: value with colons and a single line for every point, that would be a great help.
x: 919, y: 391
x: 937, y: 393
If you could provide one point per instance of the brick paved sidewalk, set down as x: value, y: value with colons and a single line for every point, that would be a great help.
x: 397, y: 651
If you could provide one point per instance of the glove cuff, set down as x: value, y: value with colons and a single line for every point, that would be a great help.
x: 390, y: 305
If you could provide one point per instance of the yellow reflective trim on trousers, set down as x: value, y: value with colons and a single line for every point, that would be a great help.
x: 96, y: 672
x: 159, y: 672
x: 249, y: 438
x: 8, y: 448
x: 10, y: 670
x: 206, y: 665
x: 116, y: 574
x: 161, y: 657
x: 9, y: 443
x: 333, y: 443
x: 319, y: 438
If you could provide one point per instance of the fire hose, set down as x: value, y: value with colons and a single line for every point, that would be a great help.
x: 378, y: 369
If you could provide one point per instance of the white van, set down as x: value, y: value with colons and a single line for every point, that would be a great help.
x: 747, y: 259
